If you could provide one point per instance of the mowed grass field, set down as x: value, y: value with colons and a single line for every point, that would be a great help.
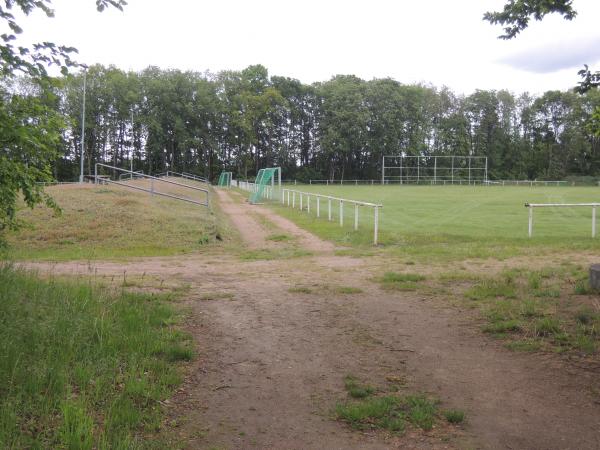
x: 456, y: 221
x: 111, y: 222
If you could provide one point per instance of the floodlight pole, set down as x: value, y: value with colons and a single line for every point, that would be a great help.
x: 132, y: 136
x: 83, y: 127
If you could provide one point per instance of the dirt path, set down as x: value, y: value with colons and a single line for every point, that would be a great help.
x: 273, y: 357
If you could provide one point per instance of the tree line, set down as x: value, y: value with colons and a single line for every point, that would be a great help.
x: 241, y: 121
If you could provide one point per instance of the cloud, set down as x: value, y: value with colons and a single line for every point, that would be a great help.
x: 553, y: 57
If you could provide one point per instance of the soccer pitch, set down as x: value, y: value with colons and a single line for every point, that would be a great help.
x: 480, y: 216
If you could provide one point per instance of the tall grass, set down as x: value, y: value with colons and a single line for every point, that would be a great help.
x: 83, y: 366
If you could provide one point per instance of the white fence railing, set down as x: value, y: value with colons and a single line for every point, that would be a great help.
x: 268, y: 191
x: 532, y: 206
x: 288, y: 197
x: 439, y: 181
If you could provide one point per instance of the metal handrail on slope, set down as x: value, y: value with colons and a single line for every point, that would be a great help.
x: 152, y: 190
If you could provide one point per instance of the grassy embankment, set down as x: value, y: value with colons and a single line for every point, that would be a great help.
x: 100, y: 222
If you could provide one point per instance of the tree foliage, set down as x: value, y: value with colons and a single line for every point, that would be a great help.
x: 241, y: 121
x: 30, y: 123
x: 516, y: 14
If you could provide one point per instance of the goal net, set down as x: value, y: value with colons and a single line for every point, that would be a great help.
x: 406, y: 169
x: 225, y: 179
x: 266, y: 182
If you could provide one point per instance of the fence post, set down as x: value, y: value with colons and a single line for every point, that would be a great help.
x: 355, y: 217
x: 530, y: 221
x: 376, y: 225
x: 329, y: 208
x: 318, y: 206
x: 293, y: 199
x: 308, y: 204
x: 95, y: 174
x: 341, y: 213
x: 301, y: 198
x: 593, y: 221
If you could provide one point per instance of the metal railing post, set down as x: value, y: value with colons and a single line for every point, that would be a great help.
x: 329, y: 208
x: 376, y: 225
x: 530, y: 221
x: 355, y: 217
x: 593, y: 221
x: 318, y: 206
x: 341, y: 213
x: 293, y: 199
x: 308, y: 204
x: 301, y: 199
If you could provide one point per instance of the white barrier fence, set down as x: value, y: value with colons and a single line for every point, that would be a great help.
x: 288, y: 196
x: 532, y: 206
x: 268, y: 191
x: 440, y: 182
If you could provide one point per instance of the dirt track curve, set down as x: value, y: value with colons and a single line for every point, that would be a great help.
x: 272, y: 361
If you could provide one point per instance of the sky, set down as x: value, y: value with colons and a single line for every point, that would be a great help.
x: 438, y: 42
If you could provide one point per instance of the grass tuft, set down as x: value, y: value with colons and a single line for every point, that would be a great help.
x: 356, y: 389
x: 454, y: 416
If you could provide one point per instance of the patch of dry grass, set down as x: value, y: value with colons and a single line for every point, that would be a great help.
x: 109, y: 222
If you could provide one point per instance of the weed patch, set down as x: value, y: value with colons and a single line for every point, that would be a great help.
x: 400, y: 281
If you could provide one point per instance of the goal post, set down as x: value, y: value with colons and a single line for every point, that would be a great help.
x: 266, y: 185
x: 434, y: 169
x: 225, y: 179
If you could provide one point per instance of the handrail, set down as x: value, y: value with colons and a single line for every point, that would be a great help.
x: 531, y: 206
x: 152, y: 190
x: 376, y: 206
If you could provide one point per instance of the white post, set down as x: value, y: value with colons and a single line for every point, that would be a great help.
x: 376, y: 225
x: 530, y: 221
x: 341, y: 213
x: 355, y: 216
x: 294, y: 199
x: 593, y: 221
x: 329, y: 208
x: 383, y: 171
x: 308, y: 204
x: 318, y: 206
x: 301, y: 198
x: 283, y: 197
x: 83, y: 128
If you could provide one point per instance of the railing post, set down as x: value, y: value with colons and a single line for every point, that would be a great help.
x: 308, y: 204
x: 341, y: 213
x: 96, y: 174
x: 355, y: 216
x: 376, y: 225
x: 530, y: 221
x: 593, y: 221
x: 329, y: 208
x: 318, y: 206
x: 301, y: 198
x: 293, y: 199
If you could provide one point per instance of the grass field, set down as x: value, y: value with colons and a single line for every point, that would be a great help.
x: 111, y: 222
x: 457, y: 221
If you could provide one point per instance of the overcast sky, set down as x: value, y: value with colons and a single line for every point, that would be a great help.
x: 442, y: 42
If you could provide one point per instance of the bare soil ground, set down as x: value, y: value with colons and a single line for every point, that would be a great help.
x: 272, y: 357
